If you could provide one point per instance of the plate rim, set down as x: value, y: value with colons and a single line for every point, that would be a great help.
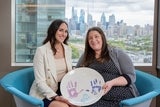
x: 82, y: 103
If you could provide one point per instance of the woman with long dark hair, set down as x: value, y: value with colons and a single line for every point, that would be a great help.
x: 51, y: 62
x: 113, y: 64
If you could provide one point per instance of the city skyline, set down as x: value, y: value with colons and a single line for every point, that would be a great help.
x: 135, y: 12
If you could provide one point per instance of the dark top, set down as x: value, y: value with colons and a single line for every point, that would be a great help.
x: 109, y: 71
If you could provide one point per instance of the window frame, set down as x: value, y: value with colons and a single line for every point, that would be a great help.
x: 13, y: 35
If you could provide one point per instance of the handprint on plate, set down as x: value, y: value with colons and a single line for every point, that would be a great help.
x: 96, y: 86
x: 72, y: 89
x: 85, y: 98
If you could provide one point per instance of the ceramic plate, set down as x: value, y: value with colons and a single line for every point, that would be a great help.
x: 82, y: 86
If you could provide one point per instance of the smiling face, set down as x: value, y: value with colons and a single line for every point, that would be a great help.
x: 61, y: 33
x: 95, y: 41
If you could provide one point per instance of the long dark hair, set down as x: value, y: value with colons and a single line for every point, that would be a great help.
x: 89, y: 54
x: 52, y: 31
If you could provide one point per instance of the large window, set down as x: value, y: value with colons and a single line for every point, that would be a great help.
x: 127, y: 24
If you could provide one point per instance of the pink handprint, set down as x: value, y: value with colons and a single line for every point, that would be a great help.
x: 72, y: 89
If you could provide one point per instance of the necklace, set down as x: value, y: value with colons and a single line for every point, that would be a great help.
x: 58, y: 51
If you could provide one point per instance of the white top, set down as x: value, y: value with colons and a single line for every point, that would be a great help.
x: 61, y: 68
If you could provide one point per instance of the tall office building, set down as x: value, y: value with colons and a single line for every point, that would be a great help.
x: 32, y: 20
x: 112, y: 19
x: 103, y: 19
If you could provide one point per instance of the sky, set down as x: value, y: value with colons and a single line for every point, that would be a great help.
x: 130, y: 11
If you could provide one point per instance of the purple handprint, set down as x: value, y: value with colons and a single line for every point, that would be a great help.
x: 72, y: 89
x: 96, y: 86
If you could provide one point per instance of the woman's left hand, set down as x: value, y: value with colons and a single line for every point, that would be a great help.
x: 107, y: 87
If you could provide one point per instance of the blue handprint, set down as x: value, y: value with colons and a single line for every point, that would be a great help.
x: 85, y: 98
x: 96, y: 86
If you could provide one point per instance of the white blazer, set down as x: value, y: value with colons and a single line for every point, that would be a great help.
x: 45, y: 84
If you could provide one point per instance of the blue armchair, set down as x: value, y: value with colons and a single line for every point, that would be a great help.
x: 18, y: 83
x: 148, y: 86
